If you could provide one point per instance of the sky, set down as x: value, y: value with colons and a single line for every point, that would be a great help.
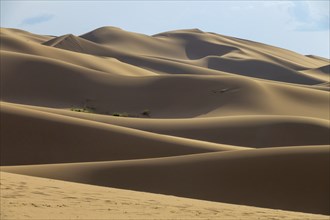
x: 301, y: 26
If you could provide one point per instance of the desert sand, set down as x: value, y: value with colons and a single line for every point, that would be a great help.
x: 39, y: 198
x: 181, y: 124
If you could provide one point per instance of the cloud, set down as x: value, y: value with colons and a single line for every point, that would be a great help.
x: 310, y: 15
x: 37, y: 19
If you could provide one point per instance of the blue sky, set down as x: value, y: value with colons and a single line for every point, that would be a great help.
x: 301, y: 26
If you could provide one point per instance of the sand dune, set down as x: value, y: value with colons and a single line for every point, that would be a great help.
x: 211, y: 96
x: 139, y: 49
x: 248, y: 131
x: 185, y: 113
x: 49, y: 138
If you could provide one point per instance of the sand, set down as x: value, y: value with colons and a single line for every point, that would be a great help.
x: 39, y: 198
x: 241, y: 126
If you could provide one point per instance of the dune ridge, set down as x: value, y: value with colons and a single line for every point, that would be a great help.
x: 184, y: 113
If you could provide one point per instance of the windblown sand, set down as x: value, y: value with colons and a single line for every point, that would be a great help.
x: 229, y: 128
x: 38, y: 198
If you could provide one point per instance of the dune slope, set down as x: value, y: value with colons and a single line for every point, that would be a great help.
x: 49, y: 138
x: 249, y: 131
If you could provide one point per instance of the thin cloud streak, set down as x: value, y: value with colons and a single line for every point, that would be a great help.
x: 37, y: 19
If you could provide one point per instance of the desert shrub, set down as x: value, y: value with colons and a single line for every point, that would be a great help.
x: 146, y: 113
x: 86, y: 110
x: 124, y: 114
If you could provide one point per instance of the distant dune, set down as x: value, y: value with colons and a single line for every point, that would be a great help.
x: 184, y: 113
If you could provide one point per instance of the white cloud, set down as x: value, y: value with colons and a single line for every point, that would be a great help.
x: 37, y: 19
x: 310, y: 15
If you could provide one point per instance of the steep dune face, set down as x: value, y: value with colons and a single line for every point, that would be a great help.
x: 65, y: 41
x: 201, y: 115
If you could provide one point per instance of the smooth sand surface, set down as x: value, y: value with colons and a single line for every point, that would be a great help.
x: 39, y: 198
x: 184, y: 113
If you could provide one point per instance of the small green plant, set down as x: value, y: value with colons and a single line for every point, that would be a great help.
x: 87, y: 107
x: 124, y: 114
x: 86, y: 110
x: 146, y: 113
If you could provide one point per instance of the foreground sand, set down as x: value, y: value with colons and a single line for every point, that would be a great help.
x: 39, y: 198
x: 288, y: 178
